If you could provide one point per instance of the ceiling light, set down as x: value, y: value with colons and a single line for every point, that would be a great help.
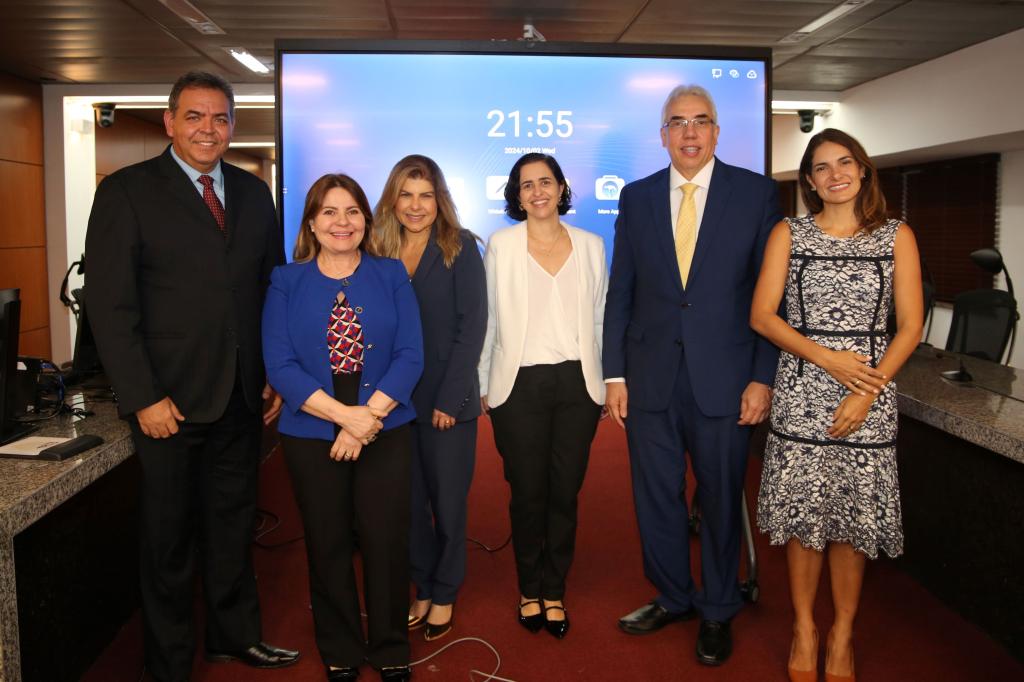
x: 781, y: 106
x: 825, y: 19
x: 193, y: 16
x: 250, y: 62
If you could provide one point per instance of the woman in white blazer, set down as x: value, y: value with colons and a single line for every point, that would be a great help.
x: 540, y: 376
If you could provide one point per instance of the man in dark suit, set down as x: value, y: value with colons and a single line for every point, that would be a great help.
x: 180, y: 250
x: 684, y: 370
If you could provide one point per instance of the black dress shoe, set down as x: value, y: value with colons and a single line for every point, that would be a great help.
x: 259, y: 655
x: 532, y: 623
x: 557, y: 628
x: 651, y: 618
x: 399, y: 673
x: 714, y: 642
x: 342, y: 674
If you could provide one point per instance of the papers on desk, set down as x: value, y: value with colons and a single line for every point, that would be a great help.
x: 51, y: 449
x: 31, y: 447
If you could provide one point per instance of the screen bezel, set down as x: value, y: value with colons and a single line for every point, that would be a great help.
x: 520, y: 48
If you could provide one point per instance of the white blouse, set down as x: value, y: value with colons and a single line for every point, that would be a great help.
x: 552, y: 324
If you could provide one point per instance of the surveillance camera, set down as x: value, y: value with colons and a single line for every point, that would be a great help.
x: 104, y: 113
x: 806, y: 120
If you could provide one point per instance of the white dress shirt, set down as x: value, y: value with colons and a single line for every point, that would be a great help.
x: 676, y: 181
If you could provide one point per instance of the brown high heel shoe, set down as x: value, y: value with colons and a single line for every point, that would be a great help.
x: 803, y: 675
x: 832, y: 677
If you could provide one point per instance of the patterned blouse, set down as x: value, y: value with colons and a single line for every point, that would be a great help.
x: 345, y: 339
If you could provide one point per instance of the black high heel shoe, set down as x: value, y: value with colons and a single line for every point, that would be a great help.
x: 557, y: 628
x: 532, y: 623
x: 440, y: 630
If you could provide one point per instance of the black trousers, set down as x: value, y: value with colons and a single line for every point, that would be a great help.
x: 442, y: 471
x: 199, y: 493
x: 371, y: 497
x: 543, y: 433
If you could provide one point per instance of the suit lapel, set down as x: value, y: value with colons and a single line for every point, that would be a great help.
x: 714, y: 211
x: 188, y: 196
x: 430, y: 255
x: 232, y: 201
x: 664, y: 231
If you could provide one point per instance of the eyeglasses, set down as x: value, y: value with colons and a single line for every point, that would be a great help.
x: 699, y: 123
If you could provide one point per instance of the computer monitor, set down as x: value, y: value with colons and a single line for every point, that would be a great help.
x: 10, y: 323
x: 475, y: 107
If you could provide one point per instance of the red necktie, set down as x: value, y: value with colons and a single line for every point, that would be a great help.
x: 212, y: 202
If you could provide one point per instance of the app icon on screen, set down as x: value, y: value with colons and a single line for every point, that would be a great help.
x: 495, y: 186
x: 607, y: 187
x: 735, y: 73
x: 716, y: 73
x: 751, y: 74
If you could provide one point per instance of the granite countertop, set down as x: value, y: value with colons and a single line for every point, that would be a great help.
x: 31, y: 489
x: 988, y: 411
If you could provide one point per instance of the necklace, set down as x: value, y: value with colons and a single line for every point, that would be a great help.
x: 343, y: 273
x: 558, y: 238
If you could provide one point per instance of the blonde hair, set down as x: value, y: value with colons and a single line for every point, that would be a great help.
x: 388, y: 234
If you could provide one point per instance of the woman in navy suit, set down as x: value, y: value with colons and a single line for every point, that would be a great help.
x: 416, y: 221
x: 343, y: 347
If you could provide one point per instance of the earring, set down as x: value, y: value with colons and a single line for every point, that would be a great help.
x: 520, y: 207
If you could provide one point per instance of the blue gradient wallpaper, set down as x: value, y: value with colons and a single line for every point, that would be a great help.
x: 475, y: 114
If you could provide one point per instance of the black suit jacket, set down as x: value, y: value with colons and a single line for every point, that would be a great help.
x: 453, y: 310
x: 174, y: 304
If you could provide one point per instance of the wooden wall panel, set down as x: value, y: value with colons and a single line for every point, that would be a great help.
x: 24, y: 212
x: 119, y: 145
x: 154, y: 141
x: 25, y: 269
x: 245, y: 162
x: 22, y: 209
x: 21, y: 113
x: 35, y: 343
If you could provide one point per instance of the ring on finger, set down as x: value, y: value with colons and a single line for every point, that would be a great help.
x: 856, y: 382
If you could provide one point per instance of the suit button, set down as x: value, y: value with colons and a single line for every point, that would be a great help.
x: 366, y: 385
x: 679, y: 342
x: 684, y: 305
x: 359, y: 309
x: 369, y: 346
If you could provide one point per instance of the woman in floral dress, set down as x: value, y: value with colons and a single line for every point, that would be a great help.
x: 829, y: 483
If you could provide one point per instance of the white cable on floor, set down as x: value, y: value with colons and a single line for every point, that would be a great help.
x: 485, y: 676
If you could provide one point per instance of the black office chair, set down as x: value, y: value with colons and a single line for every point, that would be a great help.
x: 982, y: 322
x: 928, y: 292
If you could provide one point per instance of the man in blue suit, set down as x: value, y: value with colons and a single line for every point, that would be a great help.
x: 684, y: 370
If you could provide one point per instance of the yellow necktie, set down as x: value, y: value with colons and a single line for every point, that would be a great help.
x: 686, y: 230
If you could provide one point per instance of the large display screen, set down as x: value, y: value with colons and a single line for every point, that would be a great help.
x: 360, y: 110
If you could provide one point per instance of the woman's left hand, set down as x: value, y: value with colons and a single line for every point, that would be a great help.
x: 442, y: 421
x: 346, y: 447
x: 850, y: 415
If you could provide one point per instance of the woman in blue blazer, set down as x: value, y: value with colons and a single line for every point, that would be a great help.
x: 343, y: 347
x: 416, y: 221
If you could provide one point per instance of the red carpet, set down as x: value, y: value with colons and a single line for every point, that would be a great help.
x: 902, y: 633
